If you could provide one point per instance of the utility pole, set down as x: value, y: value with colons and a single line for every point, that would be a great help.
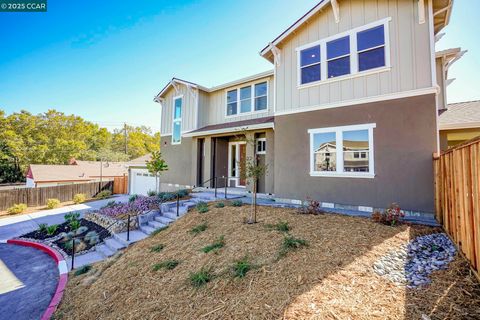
x: 125, y: 136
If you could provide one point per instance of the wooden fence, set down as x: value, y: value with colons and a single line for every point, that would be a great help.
x: 120, y: 185
x: 38, y: 196
x: 457, y: 197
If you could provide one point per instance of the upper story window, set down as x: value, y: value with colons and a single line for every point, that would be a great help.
x: 247, y: 99
x: 342, y: 151
x: 344, y: 55
x: 177, y: 120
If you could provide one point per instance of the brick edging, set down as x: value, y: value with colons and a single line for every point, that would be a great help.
x: 62, y: 271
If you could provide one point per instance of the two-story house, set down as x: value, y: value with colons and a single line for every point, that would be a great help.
x: 348, y: 115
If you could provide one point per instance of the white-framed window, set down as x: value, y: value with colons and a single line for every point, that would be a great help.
x: 177, y: 120
x: 348, y: 54
x: 345, y: 151
x: 261, y: 146
x: 247, y: 99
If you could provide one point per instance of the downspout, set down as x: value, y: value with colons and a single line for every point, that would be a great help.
x: 433, y: 70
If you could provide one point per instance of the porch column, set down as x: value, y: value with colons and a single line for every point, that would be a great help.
x: 269, y: 160
x: 193, y: 173
x: 207, y: 163
x: 250, y: 154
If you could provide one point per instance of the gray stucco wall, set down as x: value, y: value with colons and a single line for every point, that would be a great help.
x: 179, y: 160
x: 404, y: 141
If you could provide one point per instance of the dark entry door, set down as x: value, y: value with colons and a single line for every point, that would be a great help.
x: 221, y: 160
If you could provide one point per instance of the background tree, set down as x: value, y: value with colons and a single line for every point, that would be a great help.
x: 156, y: 165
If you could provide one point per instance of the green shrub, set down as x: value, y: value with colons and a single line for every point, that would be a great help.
x: 92, y: 238
x: 291, y: 243
x: 74, y: 225
x: 151, y: 193
x: 169, y: 265
x: 237, y: 203
x: 83, y: 270
x: 202, y: 207
x: 53, y: 203
x: 79, y: 198
x: 220, y: 243
x: 72, y: 216
x: 157, y: 231
x: 219, y: 205
x: 241, y: 267
x: 157, y: 248
x: 132, y: 198
x: 200, y: 228
x: 52, y: 229
x: 282, y: 226
x: 166, y: 196
x: 80, y: 230
x: 110, y: 204
x: 17, y: 208
x: 42, y: 227
x: 103, y: 194
x: 200, y: 278
x: 182, y: 193
x: 78, y: 245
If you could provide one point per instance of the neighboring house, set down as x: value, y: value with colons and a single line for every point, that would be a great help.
x: 140, y: 181
x: 46, y: 175
x: 459, y: 122
x: 356, y: 77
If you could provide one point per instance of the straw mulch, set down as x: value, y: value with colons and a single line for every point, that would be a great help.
x: 331, y: 278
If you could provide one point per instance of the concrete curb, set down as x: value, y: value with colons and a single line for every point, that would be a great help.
x: 62, y: 271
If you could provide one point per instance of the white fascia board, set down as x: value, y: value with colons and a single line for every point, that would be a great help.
x: 464, y: 125
x: 268, y: 125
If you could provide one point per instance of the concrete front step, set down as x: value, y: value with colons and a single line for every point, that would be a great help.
x: 156, y: 225
x: 104, y: 250
x: 171, y: 215
x: 135, y: 235
x: 84, y: 259
x: 113, y: 244
x: 147, y: 229
x: 163, y: 220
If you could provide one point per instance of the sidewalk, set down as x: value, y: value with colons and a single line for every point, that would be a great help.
x: 16, y: 226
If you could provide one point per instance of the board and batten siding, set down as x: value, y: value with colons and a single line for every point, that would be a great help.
x: 189, y: 106
x: 215, y: 112
x: 410, y: 54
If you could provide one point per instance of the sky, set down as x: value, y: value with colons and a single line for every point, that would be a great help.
x: 106, y: 60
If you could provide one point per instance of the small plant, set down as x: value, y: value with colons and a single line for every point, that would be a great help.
x: 157, y: 231
x: 237, y: 203
x: 311, y: 207
x: 79, y: 198
x: 66, y: 236
x: 53, y: 203
x: 392, y: 216
x: 282, y: 226
x: 200, y: 228
x: 219, y: 205
x: 291, y: 243
x: 103, y: 194
x: 157, y: 248
x: 169, y: 265
x: 151, y: 193
x: 200, y: 278
x: 52, y: 229
x: 42, y: 227
x: 82, y: 270
x: 74, y: 225
x: 17, y: 208
x: 182, y: 193
x: 202, y: 207
x: 79, y: 245
x: 80, y: 230
x: 220, y: 243
x: 132, y: 198
x: 166, y: 196
x: 241, y: 267
x: 92, y: 238
x: 110, y: 204
x: 73, y: 216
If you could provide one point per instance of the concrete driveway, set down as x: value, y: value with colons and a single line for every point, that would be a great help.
x: 29, y: 279
x: 16, y: 226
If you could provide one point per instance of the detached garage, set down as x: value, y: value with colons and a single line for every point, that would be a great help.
x: 140, y: 181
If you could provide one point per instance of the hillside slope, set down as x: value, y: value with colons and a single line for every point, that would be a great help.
x: 332, y: 277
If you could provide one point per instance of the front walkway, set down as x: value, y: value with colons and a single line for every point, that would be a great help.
x: 16, y: 226
x: 29, y: 278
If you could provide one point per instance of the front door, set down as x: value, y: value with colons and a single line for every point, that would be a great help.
x: 237, y: 155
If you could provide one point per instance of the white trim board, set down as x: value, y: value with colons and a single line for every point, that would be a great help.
x: 268, y: 125
x: 346, y: 103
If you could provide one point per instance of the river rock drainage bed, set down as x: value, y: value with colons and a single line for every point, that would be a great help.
x: 412, y: 264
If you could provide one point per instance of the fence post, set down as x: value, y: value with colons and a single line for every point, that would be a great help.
x: 73, y: 252
x: 128, y: 228
x: 178, y: 202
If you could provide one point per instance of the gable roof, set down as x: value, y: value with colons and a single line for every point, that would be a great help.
x: 461, y: 115
x: 441, y: 9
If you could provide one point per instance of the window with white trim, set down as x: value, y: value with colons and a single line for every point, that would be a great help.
x: 261, y: 146
x: 247, y: 99
x: 346, y: 54
x: 177, y: 120
x: 342, y: 151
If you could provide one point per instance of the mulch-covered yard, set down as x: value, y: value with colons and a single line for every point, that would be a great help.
x: 331, y: 278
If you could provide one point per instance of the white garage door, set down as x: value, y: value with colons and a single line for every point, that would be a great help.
x: 142, y: 181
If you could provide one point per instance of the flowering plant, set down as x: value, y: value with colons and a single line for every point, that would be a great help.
x: 135, y: 207
x: 391, y: 216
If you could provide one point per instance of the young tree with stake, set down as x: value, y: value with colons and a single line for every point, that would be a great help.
x: 156, y: 165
